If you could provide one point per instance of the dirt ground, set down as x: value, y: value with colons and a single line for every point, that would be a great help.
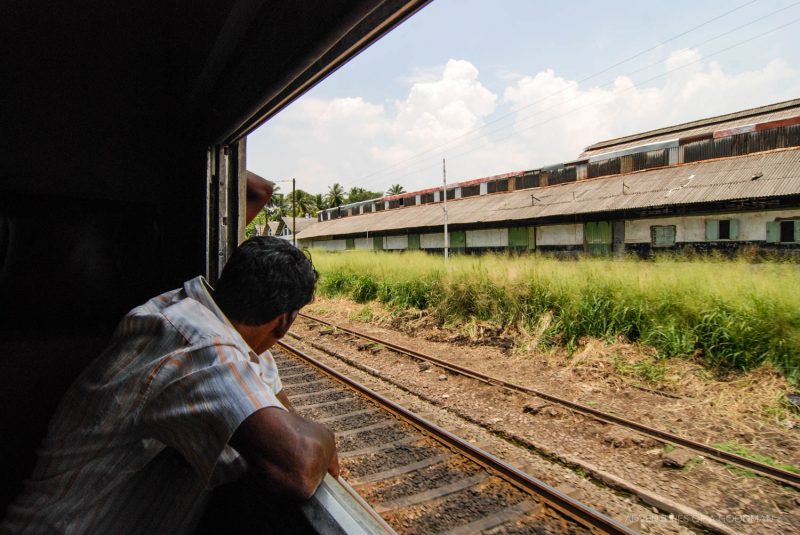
x: 744, y: 413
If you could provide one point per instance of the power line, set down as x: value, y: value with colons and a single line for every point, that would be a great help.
x: 594, y: 75
x: 633, y: 86
x: 540, y: 112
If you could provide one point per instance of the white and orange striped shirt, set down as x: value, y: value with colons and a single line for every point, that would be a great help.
x: 143, y: 433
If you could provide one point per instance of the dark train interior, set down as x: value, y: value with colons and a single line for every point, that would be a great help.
x: 123, y: 129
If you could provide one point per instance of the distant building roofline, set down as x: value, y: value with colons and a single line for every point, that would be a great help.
x: 708, y: 121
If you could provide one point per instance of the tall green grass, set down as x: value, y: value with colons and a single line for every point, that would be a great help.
x: 740, y: 315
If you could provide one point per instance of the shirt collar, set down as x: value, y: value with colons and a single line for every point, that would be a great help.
x: 200, y: 290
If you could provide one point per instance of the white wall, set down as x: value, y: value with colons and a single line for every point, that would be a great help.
x: 570, y: 234
x: 364, y: 243
x: 431, y: 241
x: 686, y: 228
x: 492, y: 237
x: 330, y: 245
x: 752, y: 225
x: 395, y: 242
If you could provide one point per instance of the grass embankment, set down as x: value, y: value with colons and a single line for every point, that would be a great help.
x: 733, y: 314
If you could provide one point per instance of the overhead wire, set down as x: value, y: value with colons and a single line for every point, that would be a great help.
x: 577, y: 82
x: 633, y: 86
x: 591, y: 104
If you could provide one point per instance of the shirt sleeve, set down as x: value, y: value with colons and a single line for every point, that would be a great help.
x: 198, y: 400
x: 269, y: 371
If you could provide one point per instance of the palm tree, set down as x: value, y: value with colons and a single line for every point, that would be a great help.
x: 355, y: 194
x: 279, y: 206
x: 395, y: 189
x: 319, y: 202
x: 305, y: 203
x: 335, y: 196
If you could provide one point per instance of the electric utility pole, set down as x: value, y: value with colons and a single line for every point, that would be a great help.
x: 444, y: 207
x: 294, y: 213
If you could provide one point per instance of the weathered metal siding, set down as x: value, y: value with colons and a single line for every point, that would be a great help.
x: 364, y: 243
x: 495, y: 237
x: 394, y: 243
x: 556, y: 235
x: 436, y: 240
x: 742, y: 143
x: 330, y: 245
x: 433, y: 240
x: 496, y: 186
x: 765, y: 114
x: 471, y: 191
x: 458, y: 239
x: 561, y: 175
x: 597, y: 237
x: 777, y: 174
x: 529, y: 180
x: 518, y: 237
x: 751, y: 226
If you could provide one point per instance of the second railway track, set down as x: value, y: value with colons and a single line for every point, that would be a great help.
x: 782, y: 476
x: 420, y: 478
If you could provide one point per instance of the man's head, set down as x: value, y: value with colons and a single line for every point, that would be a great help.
x: 263, y: 285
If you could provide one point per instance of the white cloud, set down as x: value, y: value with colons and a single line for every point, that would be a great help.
x: 435, y: 112
x: 356, y: 142
x: 557, y: 119
x: 344, y: 139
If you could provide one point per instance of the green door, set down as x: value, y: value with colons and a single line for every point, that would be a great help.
x: 598, y: 237
x: 350, y: 244
x: 413, y: 242
x: 521, y: 238
x: 377, y: 242
x: 458, y: 239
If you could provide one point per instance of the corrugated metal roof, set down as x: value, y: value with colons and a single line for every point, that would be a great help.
x: 773, y: 112
x: 300, y: 223
x: 701, y: 182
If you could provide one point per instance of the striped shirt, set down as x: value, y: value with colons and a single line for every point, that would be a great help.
x: 143, y: 433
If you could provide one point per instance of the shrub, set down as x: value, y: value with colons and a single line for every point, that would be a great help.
x: 739, y: 314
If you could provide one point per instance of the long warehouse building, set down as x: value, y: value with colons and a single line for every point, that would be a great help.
x: 719, y: 183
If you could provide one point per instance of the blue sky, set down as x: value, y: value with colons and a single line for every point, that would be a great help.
x: 507, y: 85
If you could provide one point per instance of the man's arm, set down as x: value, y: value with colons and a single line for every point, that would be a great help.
x: 259, y: 192
x: 289, y: 454
x: 333, y: 467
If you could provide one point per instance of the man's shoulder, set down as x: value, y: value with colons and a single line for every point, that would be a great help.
x: 180, y: 314
x: 197, y: 324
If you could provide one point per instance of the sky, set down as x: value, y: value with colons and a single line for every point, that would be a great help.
x: 508, y: 85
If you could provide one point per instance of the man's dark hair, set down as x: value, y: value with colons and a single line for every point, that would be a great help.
x: 264, y: 278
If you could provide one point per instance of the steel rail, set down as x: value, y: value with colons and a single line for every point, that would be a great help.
x: 778, y: 474
x: 559, y: 501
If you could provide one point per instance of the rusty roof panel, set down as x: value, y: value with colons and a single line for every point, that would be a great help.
x: 773, y: 112
x: 701, y: 182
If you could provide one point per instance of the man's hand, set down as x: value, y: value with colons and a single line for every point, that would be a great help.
x: 283, y: 398
x: 333, y: 468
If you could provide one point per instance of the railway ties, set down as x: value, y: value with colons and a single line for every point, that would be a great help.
x: 775, y: 473
x: 419, y: 478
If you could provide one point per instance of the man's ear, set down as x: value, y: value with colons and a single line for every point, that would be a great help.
x: 284, y: 322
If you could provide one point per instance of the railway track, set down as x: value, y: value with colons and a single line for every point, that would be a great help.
x: 784, y: 477
x: 420, y: 478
